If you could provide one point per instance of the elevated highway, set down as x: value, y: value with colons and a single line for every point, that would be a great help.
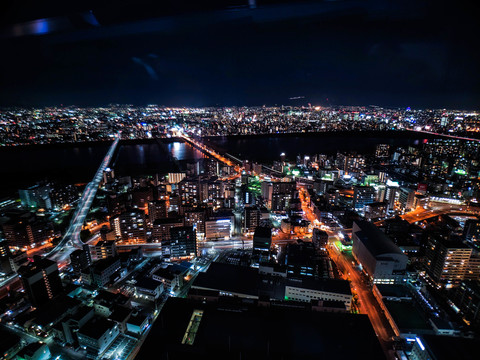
x: 71, y: 240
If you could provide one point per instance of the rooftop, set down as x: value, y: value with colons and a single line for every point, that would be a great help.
x: 104, y: 264
x: 230, y: 278
x: 148, y: 283
x: 449, y: 347
x: 248, y: 331
x: 399, y: 291
x: 7, y: 340
x: 96, y: 327
x: 263, y: 232
x: 406, y: 316
x: 375, y: 240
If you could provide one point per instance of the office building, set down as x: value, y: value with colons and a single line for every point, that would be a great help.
x: 189, y: 191
x: 104, y: 271
x: 196, y: 217
x: 141, y: 196
x: 466, y: 298
x: 148, y: 288
x: 175, y: 178
x: 26, y: 230
x: 5, y: 255
x: 108, y: 176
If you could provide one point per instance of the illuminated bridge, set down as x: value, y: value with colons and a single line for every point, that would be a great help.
x: 71, y: 239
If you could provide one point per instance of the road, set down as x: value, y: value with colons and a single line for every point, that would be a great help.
x: 71, y: 239
x: 367, y: 302
x: 420, y: 214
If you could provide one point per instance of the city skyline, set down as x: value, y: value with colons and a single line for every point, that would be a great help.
x: 252, y: 215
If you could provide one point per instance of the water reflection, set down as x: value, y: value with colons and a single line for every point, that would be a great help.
x: 184, y: 151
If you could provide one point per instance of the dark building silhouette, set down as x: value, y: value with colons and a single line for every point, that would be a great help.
x: 41, y: 280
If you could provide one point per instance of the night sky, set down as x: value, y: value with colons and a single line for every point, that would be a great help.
x: 390, y: 53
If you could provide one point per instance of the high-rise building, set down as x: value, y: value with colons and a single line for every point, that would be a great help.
x: 183, y: 242
x: 189, y: 191
x: 130, y: 225
x: 363, y: 195
x: 117, y: 203
x: 375, y: 210
x: 251, y: 218
x: 391, y: 194
x: 210, y: 192
x: 447, y: 260
x: 157, y: 210
x: 262, y: 240
x: 161, y: 229
x: 278, y: 195
x: 81, y: 259
x: 406, y: 199
x: 26, y: 230
x: 41, y: 280
x: 319, y: 239
x: 63, y: 195
x: 467, y: 298
x: 212, y: 167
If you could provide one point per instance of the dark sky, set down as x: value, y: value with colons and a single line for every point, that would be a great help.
x: 392, y: 53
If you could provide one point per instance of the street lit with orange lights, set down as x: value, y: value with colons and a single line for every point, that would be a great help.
x: 364, y: 300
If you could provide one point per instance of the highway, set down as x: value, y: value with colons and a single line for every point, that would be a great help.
x: 71, y: 239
